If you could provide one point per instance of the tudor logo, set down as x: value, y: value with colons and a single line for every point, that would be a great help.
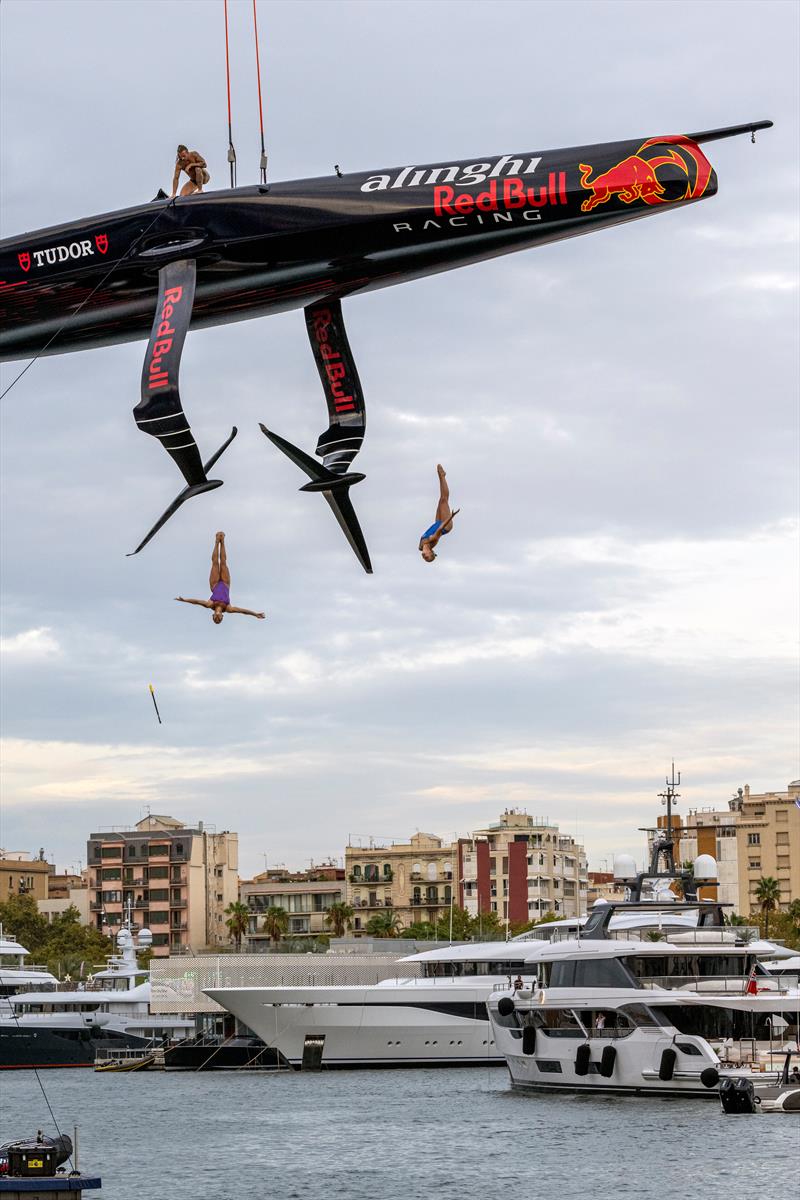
x: 51, y: 255
x: 24, y: 260
x: 101, y: 241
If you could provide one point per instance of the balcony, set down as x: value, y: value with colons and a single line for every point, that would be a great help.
x: 178, y: 904
x: 178, y: 926
x: 177, y: 877
x: 370, y: 880
x: 95, y: 905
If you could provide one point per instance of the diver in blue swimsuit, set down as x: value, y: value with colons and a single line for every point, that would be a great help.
x: 444, y: 519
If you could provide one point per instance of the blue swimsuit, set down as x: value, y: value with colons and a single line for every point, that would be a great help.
x: 434, y: 529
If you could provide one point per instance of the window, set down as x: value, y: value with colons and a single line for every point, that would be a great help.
x: 159, y: 918
x: 112, y: 873
x: 754, y: 864
x: 356, y: 871
x: 159, y: 851
x: 559, y: 1022
x: 111, y: 852
x: 549, y: 1066
x: 387, y: 871
x: 159, y: 894
x: 159, y: 872
x: 754, y: 839
x: 431, y: 870
x: 782, y: 839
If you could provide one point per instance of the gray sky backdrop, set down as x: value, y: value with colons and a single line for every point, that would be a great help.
x: 618, y: 416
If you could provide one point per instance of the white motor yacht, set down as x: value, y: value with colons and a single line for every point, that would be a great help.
x: 668, y: 1017
x: 53, y: 1028
x: 18, y: 976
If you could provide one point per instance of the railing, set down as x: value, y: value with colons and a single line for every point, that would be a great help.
x: 178, y: 926
x: 366, y: 880
x: 139, y: 882
x: 179, y: 878
x: 95, y: 905
x: 728, y: 985
x: 178, y: 904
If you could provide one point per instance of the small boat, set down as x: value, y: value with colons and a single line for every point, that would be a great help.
x: 125, y: 1060
x: 739, y: 1095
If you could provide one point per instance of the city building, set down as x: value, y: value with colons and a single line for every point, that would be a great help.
x: 414, y: 879
x: 67, y: 890
x: 179, y: 880
x: 707, y: 831
x: 768, y: 843
x: 23, y: 875
x: 755, y: 836
x: 602, y: 886
x: 305, y: 896
x: 522, y: 867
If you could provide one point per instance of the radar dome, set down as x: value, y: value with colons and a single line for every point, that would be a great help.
x: 145, y: 938
x: 624, y: 868
x: 123, y: 939
x: 705, y: 867
x: 599, y: 900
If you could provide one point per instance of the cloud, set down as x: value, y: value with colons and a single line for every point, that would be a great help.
x: 30, y: 646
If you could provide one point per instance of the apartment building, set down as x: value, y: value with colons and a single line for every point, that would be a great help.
x: 602, y: 886
x: 711, y: 831
x: 179, y: 880
x: 305, y: 896
x: 414, y: 879
x: 768, y: 843
x: 23, y: 875
x: 522, y: 867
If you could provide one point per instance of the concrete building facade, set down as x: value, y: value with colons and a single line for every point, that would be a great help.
x: 414, y: 879
x: 179, y: 880
x: 522, y: 867
x: 768, y: 843
x: 23, y: 875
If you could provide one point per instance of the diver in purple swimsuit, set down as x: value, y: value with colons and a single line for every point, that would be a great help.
x: 220, y: 583
x: 444, y: 519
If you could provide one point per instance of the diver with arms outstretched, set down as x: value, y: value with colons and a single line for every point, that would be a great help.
x: 220, y: 583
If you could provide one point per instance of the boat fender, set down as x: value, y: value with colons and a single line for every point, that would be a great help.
x: 583, y: 1057
x: 607, y: 1060
x: 666, y: 1069
x: 529, y: 1039
x: 505, y: 1006
x: 541, y: 996
x: 709, y: 1077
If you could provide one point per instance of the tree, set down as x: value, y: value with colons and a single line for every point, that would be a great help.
x: 384, y: 925
x: 276, y: 923
x: 735, y: 919
x: 768, y: 895
x: 793, y: 911
x: 339, y: 917
x: 238, y: 915
x: 20, y: 916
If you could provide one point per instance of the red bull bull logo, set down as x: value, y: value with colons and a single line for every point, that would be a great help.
x: 635, y: 178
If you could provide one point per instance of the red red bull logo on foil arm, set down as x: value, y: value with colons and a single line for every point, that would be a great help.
x: 636, y: 177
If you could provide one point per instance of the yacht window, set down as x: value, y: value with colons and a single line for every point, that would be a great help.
x: 562, y: 974
x: 559, y: 1022
x: 549, y: 1066
x: 606, y: 1022
x: 640, y: 1015
x: 601, y: 972
x: 713, y: 1024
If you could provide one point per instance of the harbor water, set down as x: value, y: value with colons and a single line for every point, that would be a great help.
x: 380, y: 1135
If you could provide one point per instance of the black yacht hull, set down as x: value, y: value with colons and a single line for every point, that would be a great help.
x: 22, y: 1049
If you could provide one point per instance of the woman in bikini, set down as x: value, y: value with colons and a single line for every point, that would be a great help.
x: 220, y: 583
x: 444, y: 519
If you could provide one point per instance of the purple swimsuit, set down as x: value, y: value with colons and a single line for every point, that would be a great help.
x: 221, y: 593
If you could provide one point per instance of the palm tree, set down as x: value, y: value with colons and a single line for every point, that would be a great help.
x: 276, y: 923
x: 238, y: 921
x: 794, y: 912
x: 386, y: 924
x: 339, y: 917
x: 768, y: 894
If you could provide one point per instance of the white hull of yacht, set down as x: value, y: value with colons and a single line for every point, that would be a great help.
x: 407, y: 1025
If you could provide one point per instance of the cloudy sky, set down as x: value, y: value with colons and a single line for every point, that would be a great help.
x: 617, y: 414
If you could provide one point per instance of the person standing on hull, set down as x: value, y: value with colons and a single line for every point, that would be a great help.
x: 220, y: 583
x: 444, y: 519
x: 195, y: 167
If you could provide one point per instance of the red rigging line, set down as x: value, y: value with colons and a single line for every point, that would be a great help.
x: 231, y: 150
x: 260, y: 106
